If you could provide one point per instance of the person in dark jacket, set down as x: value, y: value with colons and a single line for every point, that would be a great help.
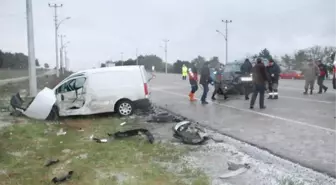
x: 204, y: 81
x: 193, y: 78
x: 259, y: 77
x: 322, y: 75
x: 246, y: 69
x: 273, y: 72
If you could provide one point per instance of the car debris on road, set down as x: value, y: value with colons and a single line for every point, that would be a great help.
x: 124, y: 134
x: 62, y: 178
x: 51, y: 162
x: 235, y: 169
x: 163, y: 117
x: 189, y: 133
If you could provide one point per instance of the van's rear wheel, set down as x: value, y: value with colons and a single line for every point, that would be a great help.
x: 125, y: 108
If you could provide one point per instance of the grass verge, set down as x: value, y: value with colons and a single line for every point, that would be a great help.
x: 24, y: 148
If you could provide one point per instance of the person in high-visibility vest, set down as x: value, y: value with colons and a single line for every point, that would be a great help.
x: 184, y: 72
x: 193, y: 79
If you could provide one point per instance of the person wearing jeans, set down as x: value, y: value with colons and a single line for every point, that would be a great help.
x: 259, y: 78
x: 204, y: 81
x: 193, y: 76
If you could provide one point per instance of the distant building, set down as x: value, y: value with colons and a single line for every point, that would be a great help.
x: 110, y: 64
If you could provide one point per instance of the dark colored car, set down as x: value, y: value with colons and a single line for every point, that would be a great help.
x: 232, y: 80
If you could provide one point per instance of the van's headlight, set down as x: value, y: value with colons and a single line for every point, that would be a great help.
x: 246, y: 79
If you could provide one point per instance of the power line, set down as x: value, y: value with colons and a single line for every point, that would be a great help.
x: 165, y: 48
x: 55, y: 6
x: 226, y: 39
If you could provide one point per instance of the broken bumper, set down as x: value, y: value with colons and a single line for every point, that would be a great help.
x: 142, y: 104
x: 38, y: 108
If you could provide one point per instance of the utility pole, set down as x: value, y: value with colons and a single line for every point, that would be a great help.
x: 226, y: 38
x: 136, y: 54
x: 66, y: 59
x: 121, y: 56
x: 165, y: 49
x: 61, y: 54
x: 55, y: 6
x: 31, y: 49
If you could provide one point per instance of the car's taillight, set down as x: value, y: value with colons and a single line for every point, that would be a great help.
x: 146, y: 88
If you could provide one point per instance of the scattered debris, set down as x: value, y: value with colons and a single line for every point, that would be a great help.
x: 133, y: 132
x: 82, y: 156
x: 80, y: 130
x: 51, y: 162
x: 235, y: 169
x: 63, y: 178
x: 98, y: 140
x: 60, y: 132
x: 190, y: 133
x: 66, y: 151
x: 123, y: 123
x: 163, y: 117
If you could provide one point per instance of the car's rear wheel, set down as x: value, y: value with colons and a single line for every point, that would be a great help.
x: 125, y: 108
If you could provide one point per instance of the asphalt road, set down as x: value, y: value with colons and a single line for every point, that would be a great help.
x: 297, y: 127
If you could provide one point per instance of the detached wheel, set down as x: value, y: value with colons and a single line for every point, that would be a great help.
x: 125, y: 108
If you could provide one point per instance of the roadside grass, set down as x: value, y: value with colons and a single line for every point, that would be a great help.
x: 14, y: 73
x: 24, y: 148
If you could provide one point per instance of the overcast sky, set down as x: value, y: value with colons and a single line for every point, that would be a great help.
x: 101, y: 29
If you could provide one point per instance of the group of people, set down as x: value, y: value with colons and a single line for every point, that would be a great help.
x: 264, y: 78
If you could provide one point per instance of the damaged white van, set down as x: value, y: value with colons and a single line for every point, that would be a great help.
x: 120, y: 89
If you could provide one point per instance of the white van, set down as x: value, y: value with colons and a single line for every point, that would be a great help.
x: 120, y: 89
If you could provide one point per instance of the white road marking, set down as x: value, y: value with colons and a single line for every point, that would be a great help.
x: 260, y: 113
x: 290, y: 97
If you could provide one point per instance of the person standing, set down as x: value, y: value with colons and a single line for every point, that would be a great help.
x: 193, y: 78
x: 273, y: 71
x: 184, y: 72
x: 259, y: 77
x: 323, y: 73
x: 216, y: 81
x: 246, y: 69
x: 204, y: 81
x: 310, y: 72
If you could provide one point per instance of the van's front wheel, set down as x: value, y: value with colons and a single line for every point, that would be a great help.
x: 125, y: 108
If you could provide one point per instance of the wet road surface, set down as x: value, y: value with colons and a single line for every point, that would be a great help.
x: 297, y: 127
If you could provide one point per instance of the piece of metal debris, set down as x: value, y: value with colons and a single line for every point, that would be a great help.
x: 163, y: 117
x: 233, y: 173
x: 235, y: 169
x: 51, y: 162
x: 133, y: 132
x: 189, y: 133
x: 63, y: 178
x: 98, y: 140
x: 60, y: 132
x: 123, y: 123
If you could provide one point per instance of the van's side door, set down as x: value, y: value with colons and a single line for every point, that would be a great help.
x: 71, y: 94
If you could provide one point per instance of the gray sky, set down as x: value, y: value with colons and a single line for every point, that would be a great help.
x: 100, y: 30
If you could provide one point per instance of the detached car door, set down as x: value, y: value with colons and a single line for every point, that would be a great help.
x: 71, y: 95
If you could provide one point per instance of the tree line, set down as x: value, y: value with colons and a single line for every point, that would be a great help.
x: 294, y: 61
x: 14, y: 60
x: 298, y: 59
